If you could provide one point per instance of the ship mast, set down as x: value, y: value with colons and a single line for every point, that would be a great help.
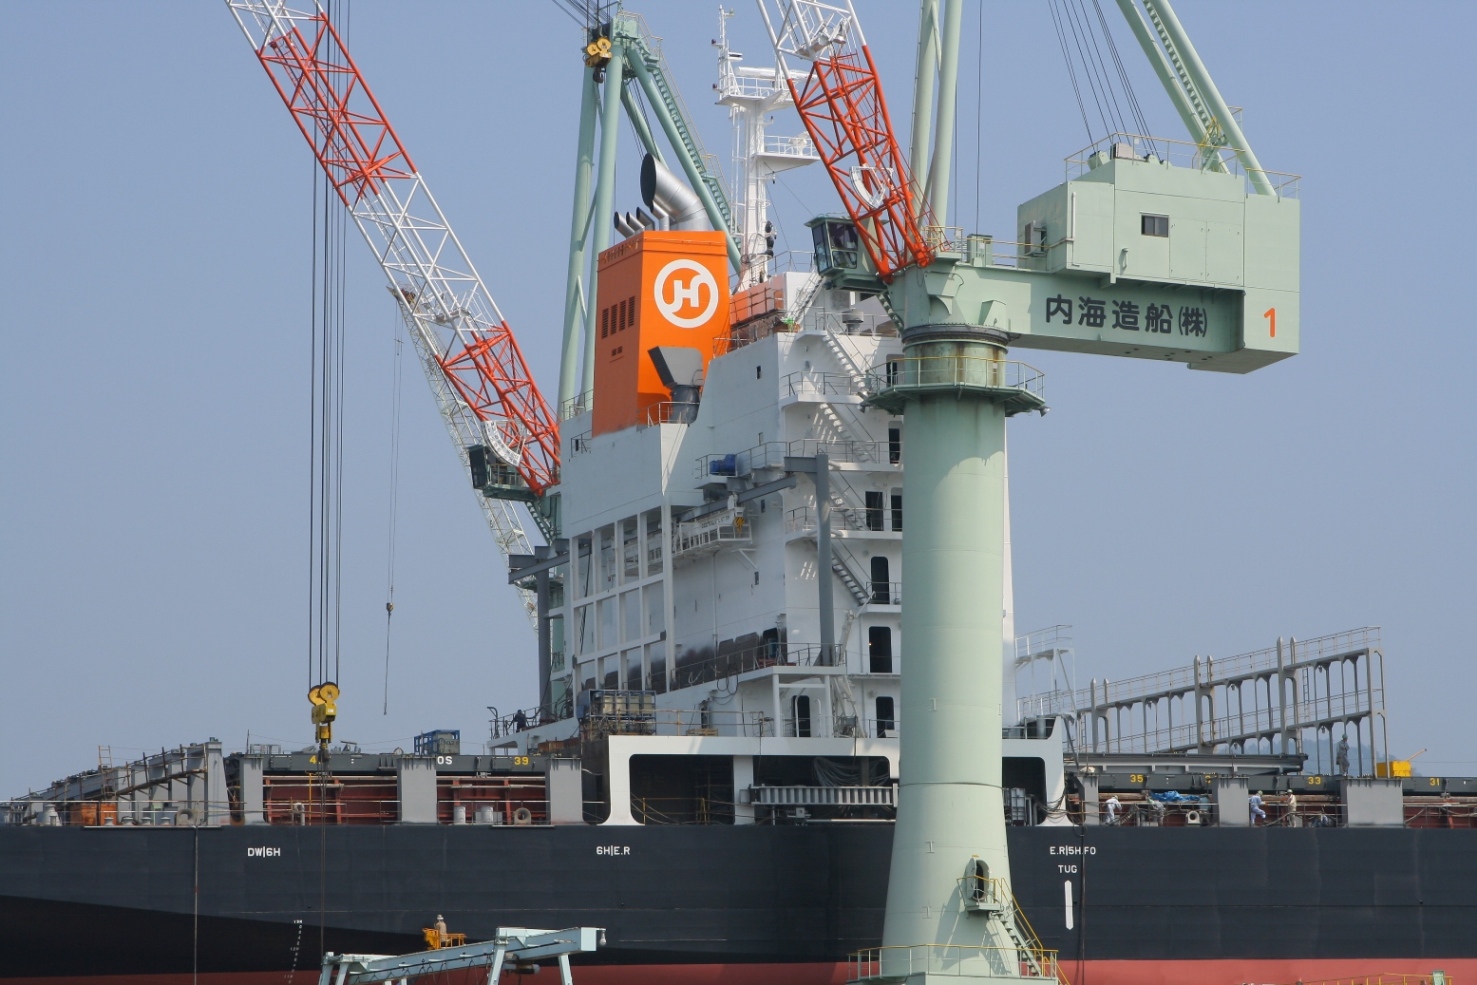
x: 752, y: 95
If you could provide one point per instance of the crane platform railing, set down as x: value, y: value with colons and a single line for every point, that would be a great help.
x: 1178, y: 153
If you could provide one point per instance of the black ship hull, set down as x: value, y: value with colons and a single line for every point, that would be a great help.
x: 720, y: 903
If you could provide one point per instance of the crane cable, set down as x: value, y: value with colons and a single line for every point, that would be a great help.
x: 1130, y: 96
x: 1090, y: 34
x: 1061, y: 38
x: 326, y: 422
x: 394, y: 509
x: 325, y: 616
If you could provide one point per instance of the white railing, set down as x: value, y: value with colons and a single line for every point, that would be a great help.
x: 1179, y: 153
x: 798, y: 146
x: 951, y: 370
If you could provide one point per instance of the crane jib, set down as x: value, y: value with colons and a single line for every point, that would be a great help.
x: 486, y: 390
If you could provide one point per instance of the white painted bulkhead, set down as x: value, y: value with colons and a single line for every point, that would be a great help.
x: 721, y: 617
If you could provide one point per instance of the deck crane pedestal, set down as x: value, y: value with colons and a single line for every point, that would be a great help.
x: 1155, y: 249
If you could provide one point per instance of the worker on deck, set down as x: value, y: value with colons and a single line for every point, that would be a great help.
x: 1343, y: 756
x: 1254, y: 803
x: 1292, y: 810
x: 441, y: 932
x: 1114, y: 806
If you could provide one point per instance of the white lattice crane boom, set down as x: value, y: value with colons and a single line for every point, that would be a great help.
x: 482, y: 384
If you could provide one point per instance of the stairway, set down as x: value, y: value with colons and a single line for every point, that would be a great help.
x: 841, y: 430
x: 807, y: 297
x: 1023, y: 936
x: 848, y: 362
x: 841, y: 564
x: 852, y: 518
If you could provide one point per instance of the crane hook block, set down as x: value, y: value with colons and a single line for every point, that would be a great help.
x: 597, y: 52
x: 323, y: 697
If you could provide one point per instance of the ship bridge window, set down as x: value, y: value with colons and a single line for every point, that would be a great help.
x: 1154, y: 225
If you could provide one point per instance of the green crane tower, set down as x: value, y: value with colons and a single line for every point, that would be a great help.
x: 1175, y: 251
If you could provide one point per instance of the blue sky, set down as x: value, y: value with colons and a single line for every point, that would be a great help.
x: 153, y: 392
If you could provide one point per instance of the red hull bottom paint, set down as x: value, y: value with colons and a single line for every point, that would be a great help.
x: 1463, y: 971
x: 1236, y: 971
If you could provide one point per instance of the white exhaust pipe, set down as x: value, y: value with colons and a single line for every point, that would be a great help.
x: 661, y: 189
x: 623, y: 227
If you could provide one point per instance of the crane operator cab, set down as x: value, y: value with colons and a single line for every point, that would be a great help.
x: 839, y: 256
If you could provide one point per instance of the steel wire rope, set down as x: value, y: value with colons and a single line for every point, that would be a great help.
x: 954, y: 162
x: 312, y: 419
x: 1084, y: 41
x: 394, y: 506
x: 339, y: 329
x: 1110, y: 95
x: 1061, y: 38
x: 581, y: 13
x: 1131, y: 97
x: 979, y: 104
x: 1069, y: 17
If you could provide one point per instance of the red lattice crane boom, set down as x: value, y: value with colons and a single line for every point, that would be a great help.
x: 481, y: 380
x: 845, y: 114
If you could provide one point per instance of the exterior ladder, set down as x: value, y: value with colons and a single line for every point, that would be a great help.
x: 848, y: 361
x: 1023, y: 936
x: 841, y: 564
x: 1215, y: 134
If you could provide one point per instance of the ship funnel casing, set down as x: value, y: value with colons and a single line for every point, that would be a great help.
x: 661, y: 189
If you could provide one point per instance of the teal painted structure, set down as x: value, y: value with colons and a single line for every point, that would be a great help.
x: 1131, y: 256
x: 955, y: 392
x: 635, y: 59
x: 1218, y: 291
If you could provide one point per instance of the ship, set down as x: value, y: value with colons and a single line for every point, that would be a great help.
x: 711, y: 772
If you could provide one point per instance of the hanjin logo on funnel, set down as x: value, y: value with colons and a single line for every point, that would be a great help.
x: 684, y: 305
